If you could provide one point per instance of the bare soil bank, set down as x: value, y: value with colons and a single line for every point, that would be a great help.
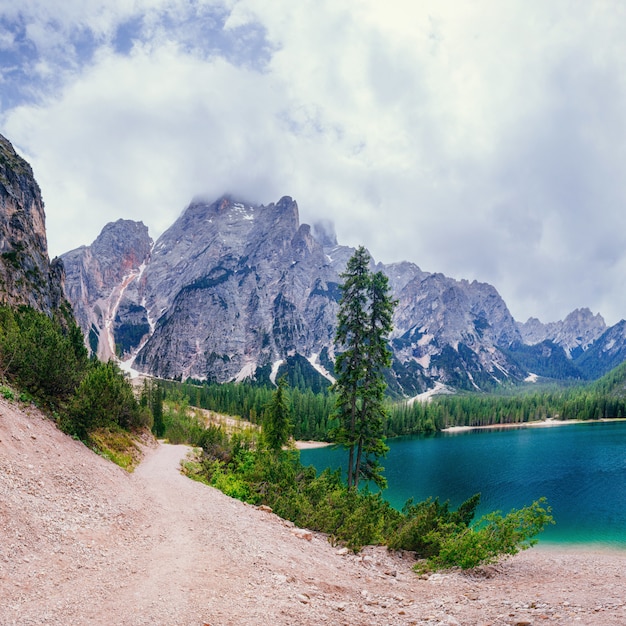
x: 82, y: 542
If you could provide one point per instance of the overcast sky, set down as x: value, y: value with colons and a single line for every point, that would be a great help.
x: 484, y: 139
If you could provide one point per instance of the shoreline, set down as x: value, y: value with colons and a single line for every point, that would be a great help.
x: 310, y: 445
x: 547, y: 423
x: 581, y: 548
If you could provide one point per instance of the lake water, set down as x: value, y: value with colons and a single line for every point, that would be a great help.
x: 580, y: 468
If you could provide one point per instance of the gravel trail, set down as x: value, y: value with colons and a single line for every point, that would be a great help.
x: 83, y: 542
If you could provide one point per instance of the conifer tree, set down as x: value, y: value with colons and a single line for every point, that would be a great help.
x: 363, y: 325
x: 277, y: 422
x: 156, y: 405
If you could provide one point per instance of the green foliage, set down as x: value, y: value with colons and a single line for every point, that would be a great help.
x: 103, y: 399
x: 277, y: 420
x: 46, y: 360
x: 117, y: 445
x: 426, y: 524
x: 363, y: 325
x: 302, y: 375
x: 493, y: 537
x: 229, y: 483
x: 310, y: 412
x: 44, y: 356
x: 151, y: 399
x: 180, y: 425
x: 7, y: 393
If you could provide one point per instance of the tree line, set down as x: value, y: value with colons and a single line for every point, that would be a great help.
x: 314, y: 414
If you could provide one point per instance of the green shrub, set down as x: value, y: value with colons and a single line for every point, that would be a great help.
x: 116, y: 445
x: 44, y: 356
x: 104, y: 398
x: 230, y: 484
x: 424, y: 525
x: 7, y: 393
x: 492, y: 537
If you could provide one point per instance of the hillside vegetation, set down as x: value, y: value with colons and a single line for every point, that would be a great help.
x: 45, y: 360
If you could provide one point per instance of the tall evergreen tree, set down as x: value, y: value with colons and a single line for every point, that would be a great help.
x: 277, y: 422
x: 156, y: 405
x: 363, y: 325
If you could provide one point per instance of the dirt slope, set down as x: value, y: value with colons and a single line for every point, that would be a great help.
x: 82, y: 542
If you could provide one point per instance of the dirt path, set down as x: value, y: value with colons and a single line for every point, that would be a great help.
x: 82, y: 542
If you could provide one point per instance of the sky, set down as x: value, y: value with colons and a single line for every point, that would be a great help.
x: 484, y: 139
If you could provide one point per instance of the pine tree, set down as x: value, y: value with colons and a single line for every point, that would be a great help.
x: 276, y: 422
x: 363, y: 324
x: 156, y: 405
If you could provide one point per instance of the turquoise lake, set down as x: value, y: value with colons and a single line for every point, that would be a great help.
x: 579, y: 468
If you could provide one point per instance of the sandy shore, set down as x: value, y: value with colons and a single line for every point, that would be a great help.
x: 309, y: 445
x: 536, y: 424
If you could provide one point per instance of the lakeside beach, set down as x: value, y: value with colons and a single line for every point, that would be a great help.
x: 534, y: 424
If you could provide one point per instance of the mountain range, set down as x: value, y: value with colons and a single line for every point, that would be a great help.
x: 234, y: 291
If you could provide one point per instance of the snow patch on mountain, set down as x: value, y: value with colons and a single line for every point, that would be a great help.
x: 314, y: 361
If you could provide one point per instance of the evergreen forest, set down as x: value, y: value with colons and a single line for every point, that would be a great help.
x: 313, y: 412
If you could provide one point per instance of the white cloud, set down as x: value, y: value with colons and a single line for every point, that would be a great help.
x: 480, y: 139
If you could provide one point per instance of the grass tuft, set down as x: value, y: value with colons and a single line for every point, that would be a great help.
x: 116, y: 445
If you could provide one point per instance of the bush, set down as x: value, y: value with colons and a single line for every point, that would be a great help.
x: 424, y: 525
x: 492, y: 537
x: 41, y: 355
x: 116, y: 445
x: 7, y: 393
x: 104, y: 398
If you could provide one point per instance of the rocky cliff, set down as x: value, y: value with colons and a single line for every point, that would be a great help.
x: 574, y: 334
x: 97, y: 278
x: 234, y: 290
x: 233, y: 287
x: 26, y: 274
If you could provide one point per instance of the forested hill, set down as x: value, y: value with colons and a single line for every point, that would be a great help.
x: 612, y: 384
x: 602, y: 399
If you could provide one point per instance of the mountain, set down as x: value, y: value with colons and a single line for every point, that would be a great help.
x: 234, y: 290
x: 97, y: 277
x: 606, y: 353
x: 27, y: 277
x: 574, y: 334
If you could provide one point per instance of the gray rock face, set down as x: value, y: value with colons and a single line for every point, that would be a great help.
x: 98, y: 278
x: 574, y: 334
x: 26, y: 274
x: 232, y: 289
x: 606, y: 352
x: 454, y: 331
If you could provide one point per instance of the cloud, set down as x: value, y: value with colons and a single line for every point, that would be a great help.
x: 143, y: 134
x: 482, y: 140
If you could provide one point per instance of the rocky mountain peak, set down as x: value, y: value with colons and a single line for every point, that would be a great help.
x: 26, y: 274
x: 99, y: 275
x: 574, y: 334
